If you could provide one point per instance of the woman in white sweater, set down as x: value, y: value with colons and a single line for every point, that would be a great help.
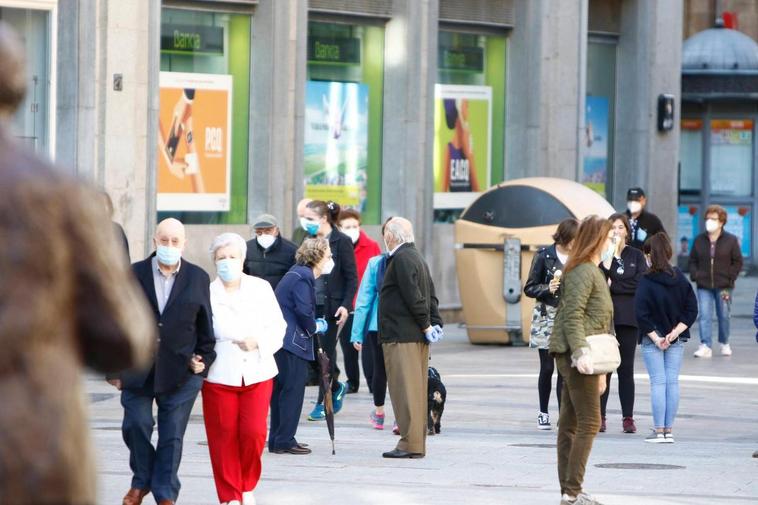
x: 249, y: 329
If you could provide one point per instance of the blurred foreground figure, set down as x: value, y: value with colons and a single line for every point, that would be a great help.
x: 66, y: 300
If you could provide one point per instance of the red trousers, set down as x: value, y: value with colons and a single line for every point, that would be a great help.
x: 235, y: 423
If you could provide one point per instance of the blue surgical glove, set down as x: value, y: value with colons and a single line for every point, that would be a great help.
x: 431, y: 335
x: 321, y: 325
x: 438, y: 332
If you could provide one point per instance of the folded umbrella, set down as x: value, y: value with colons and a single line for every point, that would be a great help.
x: 325, y: 383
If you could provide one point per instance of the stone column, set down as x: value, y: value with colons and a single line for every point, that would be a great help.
x: 649, y: 64
x: 410, y: 71
x: 546, y: 76
x: 101, y: 131
x: 277, y: 91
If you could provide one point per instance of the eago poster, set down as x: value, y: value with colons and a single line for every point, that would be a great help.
x: 336, y: 142
x: 462, y: 144
x: 194, y: 142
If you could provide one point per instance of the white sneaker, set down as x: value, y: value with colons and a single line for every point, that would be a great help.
x: 669, y: 437
x: 234, y: 502
x: 656, y: 437
x: 543, y: 421
x: 726, y: 350
x: 248, y: 498
x: 703, y: 351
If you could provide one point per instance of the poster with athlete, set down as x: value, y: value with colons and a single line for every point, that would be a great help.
x: 336, y: 142
x: 462, y: 144
x: 194, y: 142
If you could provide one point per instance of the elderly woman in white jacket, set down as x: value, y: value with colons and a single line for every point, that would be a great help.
x: 249, y: 329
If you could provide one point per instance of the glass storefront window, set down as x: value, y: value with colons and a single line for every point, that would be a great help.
x: 343, y: 116
x: 600, y: 110
x: 204, y: 116
x: 31, y: 122
x: 691, y: 156
x: 731, y: 163
x: 469, y: 119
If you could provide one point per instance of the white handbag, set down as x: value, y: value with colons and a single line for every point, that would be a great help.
x: 604, y: 351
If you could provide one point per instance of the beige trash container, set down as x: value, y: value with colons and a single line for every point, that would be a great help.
x: 496, y: 239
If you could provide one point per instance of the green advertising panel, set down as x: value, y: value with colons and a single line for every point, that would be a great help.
x: 341, y: 54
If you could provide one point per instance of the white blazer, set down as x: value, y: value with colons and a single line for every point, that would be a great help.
x: 250, y: 311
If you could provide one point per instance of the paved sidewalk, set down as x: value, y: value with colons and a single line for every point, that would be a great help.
x: 490, y: 451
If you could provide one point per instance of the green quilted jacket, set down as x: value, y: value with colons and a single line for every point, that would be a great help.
x: 585, y: 308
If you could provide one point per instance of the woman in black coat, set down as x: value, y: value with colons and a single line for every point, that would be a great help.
x: 623, y: 273
x: 335, y: 289
x: 542, y: 284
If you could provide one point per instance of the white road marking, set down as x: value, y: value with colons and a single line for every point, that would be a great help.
x: 753, y: 381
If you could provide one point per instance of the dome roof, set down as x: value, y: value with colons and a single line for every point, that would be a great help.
x: 719, y: 50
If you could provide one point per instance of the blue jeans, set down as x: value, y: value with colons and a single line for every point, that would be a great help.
x: 663, y: 368
x: 156, y: 468
x: 706, y: 299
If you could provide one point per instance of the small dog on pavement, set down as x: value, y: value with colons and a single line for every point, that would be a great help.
x: 436, y: 399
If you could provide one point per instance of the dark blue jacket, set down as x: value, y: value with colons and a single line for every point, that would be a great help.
x: 185, y: 328
x: 297, y: 298
x: 662, y: 301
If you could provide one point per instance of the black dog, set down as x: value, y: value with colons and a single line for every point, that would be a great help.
x: 436, y: 397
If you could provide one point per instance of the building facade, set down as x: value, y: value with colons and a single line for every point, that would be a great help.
x: 216, y: 111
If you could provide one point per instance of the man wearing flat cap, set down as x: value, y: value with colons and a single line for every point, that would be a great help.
x: 269, y: 255
x: 644, y: 224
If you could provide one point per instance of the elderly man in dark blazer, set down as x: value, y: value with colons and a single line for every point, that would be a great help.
x: 179, y: 295
x: 408, y: 322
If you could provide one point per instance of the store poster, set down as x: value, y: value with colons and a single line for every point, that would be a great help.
x: 687, y: 228
x: 731, y: 156
x: 336, y: 142
x: 595, y: 170
x: 194, y: 142
x: 462, y: 144
x: 739, y: 222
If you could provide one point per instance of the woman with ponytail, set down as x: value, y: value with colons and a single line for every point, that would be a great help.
x: 335, y: 289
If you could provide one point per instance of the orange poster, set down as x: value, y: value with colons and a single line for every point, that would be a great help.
x: 194, y: 142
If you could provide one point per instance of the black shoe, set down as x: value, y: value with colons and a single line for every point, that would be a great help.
x: 398, y: 454
x: 295, y: 449
x: 350, y: 388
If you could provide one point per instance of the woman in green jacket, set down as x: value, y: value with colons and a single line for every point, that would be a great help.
x: 585, y: 308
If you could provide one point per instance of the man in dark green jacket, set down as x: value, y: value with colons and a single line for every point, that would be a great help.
x: 408, y: 321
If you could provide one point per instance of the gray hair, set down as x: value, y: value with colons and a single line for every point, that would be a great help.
x: 228, y: 239
x: 401, y: 230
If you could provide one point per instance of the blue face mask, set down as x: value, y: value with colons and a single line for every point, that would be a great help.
x: 229, y: 269
x: 311, y: 227
x: 168, y: 255
x: 608, y: 253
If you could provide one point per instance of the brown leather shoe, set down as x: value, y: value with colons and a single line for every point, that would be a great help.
x: 135, y: 496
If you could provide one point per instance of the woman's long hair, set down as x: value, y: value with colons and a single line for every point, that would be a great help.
x: 658, y: 248
x: 591, y: 236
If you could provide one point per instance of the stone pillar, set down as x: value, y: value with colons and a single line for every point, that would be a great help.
x: 279, y: 44
x: 410, y: 72
x: 76, y: 115
x: 649, y: 64
x: 102, y: 132
x: 546, y: 69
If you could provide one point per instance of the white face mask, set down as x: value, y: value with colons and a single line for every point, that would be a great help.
x: 712, y: 225
x: 328, y: 267
x: 266, y: 240
x: 353, y: 233
x: 304, y: 223
x: 634, y: 206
